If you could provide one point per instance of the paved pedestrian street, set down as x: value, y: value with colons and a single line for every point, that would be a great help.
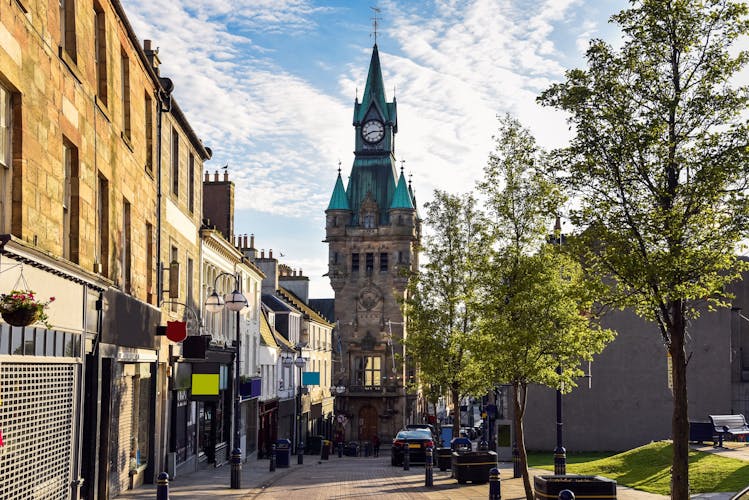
x: 347, y: 478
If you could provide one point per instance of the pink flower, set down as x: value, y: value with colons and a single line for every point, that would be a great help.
x: 51, y: 299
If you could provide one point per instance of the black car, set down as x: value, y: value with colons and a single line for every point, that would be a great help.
x: 415, y: 441
x: 429, y: 427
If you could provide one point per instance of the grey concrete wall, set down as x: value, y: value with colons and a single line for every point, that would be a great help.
x: 629, y: 403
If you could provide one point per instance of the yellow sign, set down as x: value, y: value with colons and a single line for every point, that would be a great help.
x: 205, y: 384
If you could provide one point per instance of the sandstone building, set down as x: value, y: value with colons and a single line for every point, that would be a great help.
x: 373, y: 232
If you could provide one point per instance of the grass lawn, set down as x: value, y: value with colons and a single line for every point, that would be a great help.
x: 647, y: 468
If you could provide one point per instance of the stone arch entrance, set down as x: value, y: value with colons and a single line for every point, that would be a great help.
x: 367, y: 423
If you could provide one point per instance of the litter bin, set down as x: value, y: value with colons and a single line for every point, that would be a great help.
x: 283, y: 453
x: 473, y: 466
x: 351, y: 449
x: 325, y: 450
x: 444, y: 458
x: 314, y: 443
x: 461, y: 444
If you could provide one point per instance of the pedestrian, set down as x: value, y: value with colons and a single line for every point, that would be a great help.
x: 376, y: 445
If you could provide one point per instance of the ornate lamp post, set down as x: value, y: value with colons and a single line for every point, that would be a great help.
x: 234, y: 302
x: 300, y: 362
x: 287, y: 361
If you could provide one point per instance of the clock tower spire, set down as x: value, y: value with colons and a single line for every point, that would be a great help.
x: 373, y: 231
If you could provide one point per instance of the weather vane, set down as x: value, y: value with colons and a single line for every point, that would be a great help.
x: 375, y: 20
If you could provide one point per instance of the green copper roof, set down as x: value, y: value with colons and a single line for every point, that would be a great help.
x: 374, y: 93
x: 401, y: 198
x: 338, y: 201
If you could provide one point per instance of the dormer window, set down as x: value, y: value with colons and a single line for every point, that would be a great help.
x: 368, y: 221
x: 368, y: 213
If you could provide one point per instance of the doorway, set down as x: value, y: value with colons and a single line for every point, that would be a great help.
x: 367, y: 423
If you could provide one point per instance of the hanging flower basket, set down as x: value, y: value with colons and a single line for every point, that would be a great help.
x: 21, y: 308
x: 21, y: 316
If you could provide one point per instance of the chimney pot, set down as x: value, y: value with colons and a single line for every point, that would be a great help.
x: 245, y: 241
x: 252, y: 240
x: 215, y: 176
x: 262, y: 253
x: 207, y: 177
x: 270, y: 253
x: 226, y: 176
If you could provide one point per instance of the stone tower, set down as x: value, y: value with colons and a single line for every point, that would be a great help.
x: 372, y: 231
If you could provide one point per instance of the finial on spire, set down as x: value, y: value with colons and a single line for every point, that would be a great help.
x: 339, y: 167
x: 402, y: 165
x: 410, y: 176
x: 375, y: 21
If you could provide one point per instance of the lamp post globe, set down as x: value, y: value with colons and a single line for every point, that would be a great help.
x: 300, y: 362
x: 287, y: 361
x: 235, y: 301
x: 214, y: 303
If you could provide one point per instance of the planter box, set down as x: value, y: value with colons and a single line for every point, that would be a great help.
x: 473, y: 466
x: 588, y: 487
x: 444, y: 458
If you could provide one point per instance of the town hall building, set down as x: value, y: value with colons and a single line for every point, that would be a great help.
x: 373, y: 232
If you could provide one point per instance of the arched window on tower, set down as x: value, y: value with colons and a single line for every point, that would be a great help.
x: 368, y: 221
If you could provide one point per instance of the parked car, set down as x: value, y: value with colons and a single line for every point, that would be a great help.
x: 415, y: 441
x: 429, y: 427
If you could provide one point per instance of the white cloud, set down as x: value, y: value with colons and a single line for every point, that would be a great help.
x: 456, y: 65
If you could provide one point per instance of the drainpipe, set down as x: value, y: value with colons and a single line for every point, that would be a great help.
x: 165, y: 106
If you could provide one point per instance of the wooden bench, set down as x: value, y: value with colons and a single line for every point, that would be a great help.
x: 729, y: 425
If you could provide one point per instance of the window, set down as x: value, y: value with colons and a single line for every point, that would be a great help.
x: 67, y: 28
x: 102, y: 223
x: 100, y: 47
x: 175, y: 162
x: 5, y: 159
x: 149, y: 133
x: 354, y: 262
x: 150, y: 292
x: 368, y: 221
x: 70, y: 215
x: 369, y: 262
x: 368, y: 370
x: 191, y: 184
x: 126, y: 248
x: 383, y: 262
x: 190, y: 272
x: 125, y: 94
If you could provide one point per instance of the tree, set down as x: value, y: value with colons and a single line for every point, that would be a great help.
x: 659, y: 166
x: 440, y: 304
x: 535, y: 298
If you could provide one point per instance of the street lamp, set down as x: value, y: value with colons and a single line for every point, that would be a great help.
x: 300, y: 363
x: 560, y: 454
x: 233, y: 302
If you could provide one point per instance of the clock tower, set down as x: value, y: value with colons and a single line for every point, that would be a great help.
x: 373, y: 232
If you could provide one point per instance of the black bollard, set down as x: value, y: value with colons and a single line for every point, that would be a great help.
x: 236, y: 468
x: 162, y: 486
x: 516, y: 472
x: 428, y: 473
x: 406, y: 458
x: 273, y: 458
x: 340, y: 449
x: 300, y: 453
x: 495, y: 486
x: 566, y: 495
x: 560, y: 461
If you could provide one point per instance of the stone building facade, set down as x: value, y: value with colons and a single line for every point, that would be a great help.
x: 373, y: 232
x: 100, y: 202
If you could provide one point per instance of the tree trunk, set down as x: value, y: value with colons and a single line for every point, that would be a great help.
x: 456, y: 411
x: 519, y: 399
x: 680, y: 416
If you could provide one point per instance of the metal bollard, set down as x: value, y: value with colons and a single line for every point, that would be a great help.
x: 495, y: 486
x: 407, y: 458
x: 566, y: 495
x: 162, y: 486
x: 560, y: 461
x: 428, y: 472
x: 516, y: 472
x: 340, y: 449
x: 273, y: 458
x: 236, y: 468
x: 300, y: 454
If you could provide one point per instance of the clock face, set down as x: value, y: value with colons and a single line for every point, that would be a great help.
x: 373, y: 131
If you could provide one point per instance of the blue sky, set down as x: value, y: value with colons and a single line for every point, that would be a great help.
x: 269, y: 86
